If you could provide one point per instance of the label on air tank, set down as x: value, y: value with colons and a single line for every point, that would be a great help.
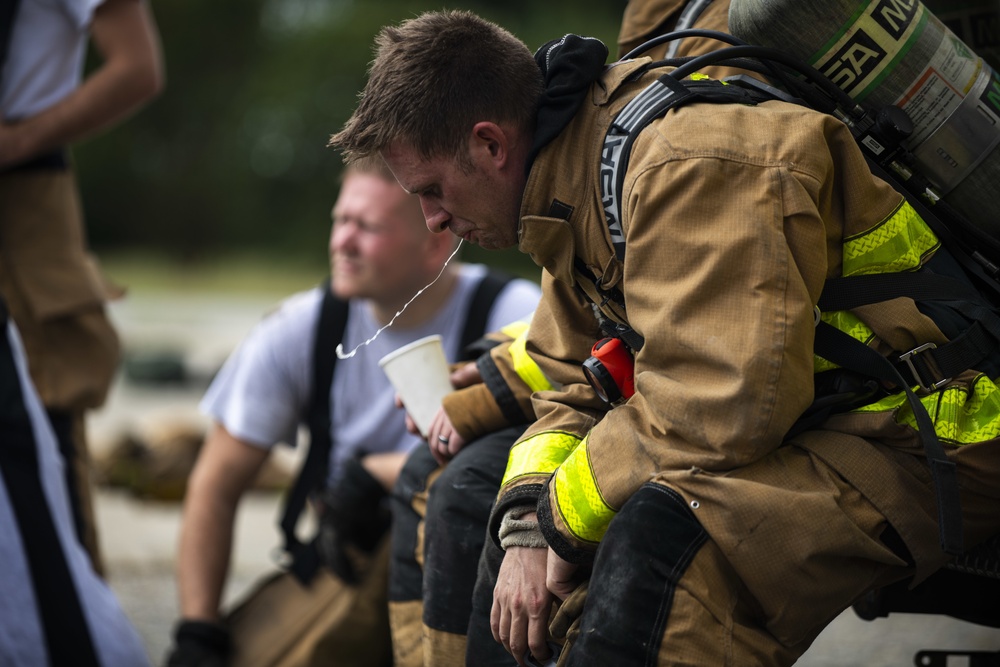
x: 966, y: 136
x: 946, y: 80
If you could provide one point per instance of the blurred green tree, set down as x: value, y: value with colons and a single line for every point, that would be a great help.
x: 233, y: 156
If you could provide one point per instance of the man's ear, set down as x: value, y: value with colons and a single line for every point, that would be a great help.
x: 491, y: 142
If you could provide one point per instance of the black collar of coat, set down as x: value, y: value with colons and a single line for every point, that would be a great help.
x: 569, y: 66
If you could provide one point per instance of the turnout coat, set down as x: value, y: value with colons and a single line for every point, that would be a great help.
x: 734, y: 216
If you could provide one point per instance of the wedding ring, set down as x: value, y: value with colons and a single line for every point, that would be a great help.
x: 443, y: 440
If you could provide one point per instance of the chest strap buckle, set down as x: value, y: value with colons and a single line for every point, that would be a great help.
x: 924, y: 368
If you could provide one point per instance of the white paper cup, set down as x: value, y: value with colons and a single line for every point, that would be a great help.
x: 419, y: 372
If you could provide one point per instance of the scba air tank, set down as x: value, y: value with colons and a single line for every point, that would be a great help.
x: 896, y: 52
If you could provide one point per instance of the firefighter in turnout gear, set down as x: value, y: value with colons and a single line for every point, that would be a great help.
x: 733, y: 217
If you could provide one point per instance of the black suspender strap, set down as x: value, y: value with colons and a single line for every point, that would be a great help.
x: 329, y: 333
x: 497, y: 384
x: 477, y: 317
x: 65, y: 632
x: 8, y: 9
x: 476, y: 320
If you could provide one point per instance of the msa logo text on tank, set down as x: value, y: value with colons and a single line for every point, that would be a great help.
x: 895, y: 16
x: 990, y: 99
x: 855, y: 60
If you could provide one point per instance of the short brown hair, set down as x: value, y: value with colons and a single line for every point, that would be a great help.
x: 433, y: 78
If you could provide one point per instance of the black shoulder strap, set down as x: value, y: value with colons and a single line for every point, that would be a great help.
x: 653, y: 102
x: 478, y: 314
x: 659, y: 97
x: 329, y: 333
x: 8, y: 10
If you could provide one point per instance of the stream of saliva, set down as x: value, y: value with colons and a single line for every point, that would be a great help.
x: 340, y: 347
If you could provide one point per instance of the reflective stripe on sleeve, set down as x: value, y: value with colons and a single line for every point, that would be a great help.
x: 515, y: 329
x: 898, y: 243
x: 540, y: 454
x: 526, y: 367
x: 578, y: 498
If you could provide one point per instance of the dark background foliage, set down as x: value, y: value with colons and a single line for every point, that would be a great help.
x: 232, y: 157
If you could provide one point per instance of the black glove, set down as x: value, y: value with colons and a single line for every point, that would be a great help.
x: 199, y: 644
x: 353, y: 512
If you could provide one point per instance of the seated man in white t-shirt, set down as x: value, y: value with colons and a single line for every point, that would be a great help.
x: 381, y: 254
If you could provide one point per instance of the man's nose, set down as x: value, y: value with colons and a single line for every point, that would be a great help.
x: 342, y: 237
x: 437, y: 218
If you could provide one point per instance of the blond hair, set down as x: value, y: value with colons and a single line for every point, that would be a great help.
x: 369, y: 164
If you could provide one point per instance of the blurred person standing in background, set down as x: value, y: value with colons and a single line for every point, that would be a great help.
x: 50, y: 281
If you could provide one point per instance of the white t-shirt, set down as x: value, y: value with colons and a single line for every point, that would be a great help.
x: 45, y: 55
x: 43, y: 507
x: 261, y: 394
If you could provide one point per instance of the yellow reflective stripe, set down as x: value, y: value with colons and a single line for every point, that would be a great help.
x: 540, y: 454
x: 849, y: 324
x: 514, y: 329
x: 578, y: 499
x: 898, y: 243
x: 698, y: 76
x: 960, y: 417
x: 525, y: 366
